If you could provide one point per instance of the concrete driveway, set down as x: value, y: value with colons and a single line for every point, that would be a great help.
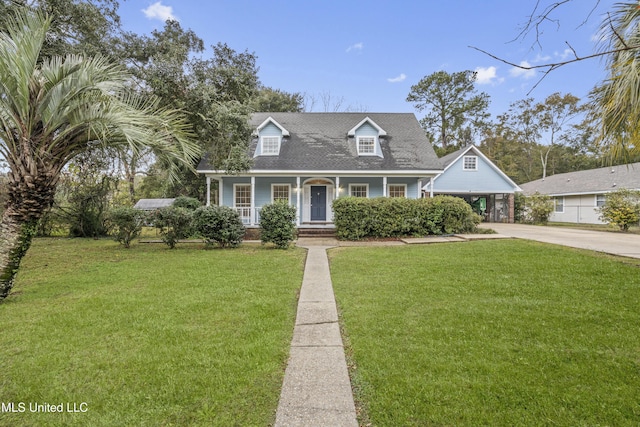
x: 627, y: 245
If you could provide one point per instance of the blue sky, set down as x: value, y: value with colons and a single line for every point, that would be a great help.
x: 369, y: 53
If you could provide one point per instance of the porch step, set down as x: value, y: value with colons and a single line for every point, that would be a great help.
x: 316, y: 232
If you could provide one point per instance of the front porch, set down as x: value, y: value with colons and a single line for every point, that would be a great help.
x: 312, y: 196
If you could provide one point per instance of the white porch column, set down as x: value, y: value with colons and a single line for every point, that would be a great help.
x: 208, y: 191
x: 220, y: 199
x: 384, y: 186
x: 419, y: 195
x: 431, y: 187
x: 253, y: 201
x: 336, y: 193
x: 298, y: 209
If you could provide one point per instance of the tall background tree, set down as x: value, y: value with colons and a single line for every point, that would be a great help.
x: 615, y: 101
x: 454, y: 108
x: 533, y: 139
x: 54, y: 109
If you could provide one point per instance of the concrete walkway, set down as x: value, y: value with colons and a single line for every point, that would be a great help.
x: 621, y: 244
x: 316, y: 390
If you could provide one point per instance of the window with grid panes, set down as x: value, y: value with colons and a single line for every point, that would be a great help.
x: 358, y: 190
x: 243, y: 195
x: 397, y: 190
x: 270, y: 145
x: 470, y: 163
x: 366, y: 145
x: 280, y: 192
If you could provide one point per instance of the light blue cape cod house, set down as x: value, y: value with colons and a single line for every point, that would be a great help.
x: 469, y: 174
x: 310, y: 159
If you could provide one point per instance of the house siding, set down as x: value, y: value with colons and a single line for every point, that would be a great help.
x: 483, y: 180
x: 578, y: 209
x: 270, y: 130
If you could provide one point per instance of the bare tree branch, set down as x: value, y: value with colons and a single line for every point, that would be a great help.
x: 536, y: 21
x: 551, y: 66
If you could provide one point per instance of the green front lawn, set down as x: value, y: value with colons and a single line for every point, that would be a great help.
x: 498, y: 333
x: 148, y: 336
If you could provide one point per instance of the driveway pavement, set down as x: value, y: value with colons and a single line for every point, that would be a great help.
x: 621, y: 244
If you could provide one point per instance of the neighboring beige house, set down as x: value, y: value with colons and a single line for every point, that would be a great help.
x: 577, y: 195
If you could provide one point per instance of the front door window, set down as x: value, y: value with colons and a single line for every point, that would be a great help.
x: 318, y: 203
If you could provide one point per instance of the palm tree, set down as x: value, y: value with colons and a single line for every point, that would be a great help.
x: 55, y: 108
x: 618, y: 98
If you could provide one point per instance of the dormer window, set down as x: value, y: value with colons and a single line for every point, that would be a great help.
x: 270, y: 134
x: 367, y: 135
x: 270, y: 145
x: 366, y: 145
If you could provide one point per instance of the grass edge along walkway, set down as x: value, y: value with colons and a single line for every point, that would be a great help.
x: 498, y: 333
x: 316, y: 389
x: 148, y: 336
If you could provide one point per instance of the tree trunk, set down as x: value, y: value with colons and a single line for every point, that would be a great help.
x: 29, y: 197
x: 15, y: 239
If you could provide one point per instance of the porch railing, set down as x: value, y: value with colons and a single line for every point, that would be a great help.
x: 249, y: 216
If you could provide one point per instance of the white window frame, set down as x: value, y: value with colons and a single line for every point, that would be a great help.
x: 602, y: 202
x: 556, y: 204
x: 274, y: 147
x: 366, y: 189
x: 404, y: 186
x: 361, y: 152
x: 465, y: 165
x: 235, y: 195
x: 273, y: 199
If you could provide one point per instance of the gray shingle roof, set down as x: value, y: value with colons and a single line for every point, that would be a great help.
x: 319, y: 141
x: 446, y: 160
x: 591, y: 181
x: 153, y: 204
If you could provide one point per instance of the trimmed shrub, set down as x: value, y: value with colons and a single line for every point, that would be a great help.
x: 187, y: 203
x: 218, y: 225
x: 173, y: 223
x: 357, y: 218
x: 457, y: 215
x: 621, y: 208
x: 539, y: 208
x: 277, y: 224
x: 126, y: 224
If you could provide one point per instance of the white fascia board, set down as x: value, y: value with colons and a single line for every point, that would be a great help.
x: 473, y: 191
x: 271, y: 120
x: 361, y: 173
x: 583, y: 193
x: 381, y: 132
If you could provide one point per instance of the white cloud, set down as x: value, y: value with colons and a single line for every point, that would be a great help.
x: 357, y: 46
x: 487, y: 75
x: 521, y: 72
x: 398, y: 79
x: 160, y: 12
x: 565, y: 54
x: 541, y: 58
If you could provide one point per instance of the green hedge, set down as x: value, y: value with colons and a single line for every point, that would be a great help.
x: 358, y: 218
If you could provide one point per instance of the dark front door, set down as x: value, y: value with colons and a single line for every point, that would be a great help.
x: 318, y: 203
